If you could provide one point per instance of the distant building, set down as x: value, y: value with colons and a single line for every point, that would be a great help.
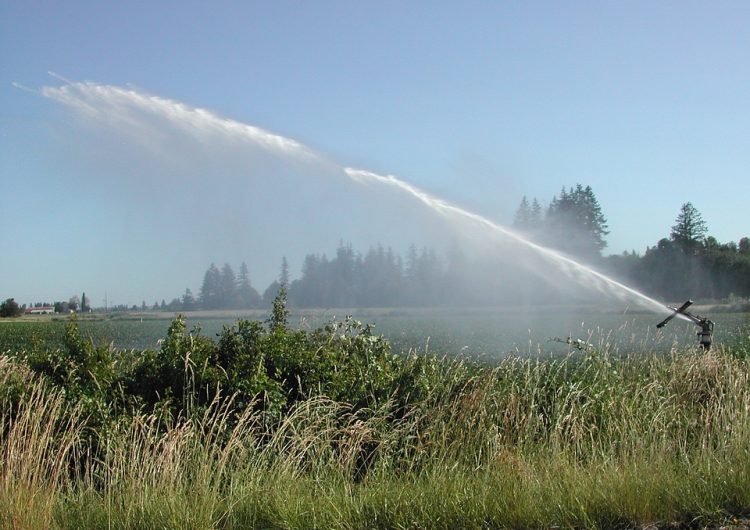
x: 43, y: 310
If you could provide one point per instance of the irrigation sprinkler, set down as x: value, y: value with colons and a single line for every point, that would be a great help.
x: 706, y: 325
x: 578, y: 344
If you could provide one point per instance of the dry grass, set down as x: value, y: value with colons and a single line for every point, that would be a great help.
x: 592, y: 441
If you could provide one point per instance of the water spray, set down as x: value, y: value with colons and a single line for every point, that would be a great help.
x: 127, y: 108
x: 706, y: 325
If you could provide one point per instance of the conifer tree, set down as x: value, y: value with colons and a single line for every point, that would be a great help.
x: 690, y: 229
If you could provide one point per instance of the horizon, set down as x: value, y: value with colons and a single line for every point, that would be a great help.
x: 478, y: 105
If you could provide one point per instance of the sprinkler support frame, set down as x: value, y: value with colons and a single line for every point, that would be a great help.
x: 706, y: 325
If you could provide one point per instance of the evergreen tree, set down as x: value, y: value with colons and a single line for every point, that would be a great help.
x: 284, y: 274
x: 247, y: 296
x: 307, y: 291
x: 689, y: 230
x: 211, y: 289
x: 575, y: 223
x: 188, y: 300
x: 536, y: 218
x: 343, y: 272
x: 522, y: 218
x: 271, y: 292
x: 227, y: 287
x: 528, y: 218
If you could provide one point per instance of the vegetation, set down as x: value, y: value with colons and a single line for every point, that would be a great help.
x: 687, y: 264
x: 573, y: 223
x: 10, y: 308
x: 271, y: 427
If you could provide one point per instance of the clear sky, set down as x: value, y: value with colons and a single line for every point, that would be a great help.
x: 479, y: 103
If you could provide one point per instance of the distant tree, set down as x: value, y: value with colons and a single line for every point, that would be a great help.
x: 227, y: 287
x: 188, y: 300
x: 575, y: 223
x: 175, y: 305
x: 689, y: 230
x: 377, y: 279
x: 537, y: 217
x: 523, y: 215
x: 247, y: 296
x: 343, y: 271
x: 284, y: 274
x: 271, y: 292
x: 423, y: 277
x: 10, y: 308
x: 744, y: 246
x: 528, y: 218
x: 211, y: 289
x: 74, y: 303
x: 306, y: 291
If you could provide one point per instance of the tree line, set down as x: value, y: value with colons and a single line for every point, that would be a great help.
x: 10, y: 308
x: 688, y: 263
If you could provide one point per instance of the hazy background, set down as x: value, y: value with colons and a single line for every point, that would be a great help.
x: 479, y: 103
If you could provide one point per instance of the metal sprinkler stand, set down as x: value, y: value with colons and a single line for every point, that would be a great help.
x: 707, y: 326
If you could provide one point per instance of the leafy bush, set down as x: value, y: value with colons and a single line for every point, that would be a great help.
x: 269, y: 367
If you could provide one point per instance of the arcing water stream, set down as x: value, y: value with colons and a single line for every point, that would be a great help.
x: 573, y: 269
x: 128, y: 109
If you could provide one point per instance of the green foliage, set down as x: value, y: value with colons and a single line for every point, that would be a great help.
x: 266, y: 426
x: 279, y: 311
x: 588, y: 441
x: 84, y: 373
x: 575, y: 223
x: 268, y: 368
x: 690, y: 229
x: 689, y: 264
x: 10, y: 308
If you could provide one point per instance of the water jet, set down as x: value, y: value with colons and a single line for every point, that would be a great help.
x: 135, y: 112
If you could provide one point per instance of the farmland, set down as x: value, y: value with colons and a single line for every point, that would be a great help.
x: 489, y: 332
x: 271, y: 426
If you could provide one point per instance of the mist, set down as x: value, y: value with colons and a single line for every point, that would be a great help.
x: 188, y: 187
x: 185, y: 187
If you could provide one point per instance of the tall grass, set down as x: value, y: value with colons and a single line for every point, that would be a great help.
x: 592, y: 440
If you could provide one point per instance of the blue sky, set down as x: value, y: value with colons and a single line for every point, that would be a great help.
x: 479, y: 103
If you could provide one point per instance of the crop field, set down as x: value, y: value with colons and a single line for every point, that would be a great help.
x: 290, y: 425
x: 491, y: 333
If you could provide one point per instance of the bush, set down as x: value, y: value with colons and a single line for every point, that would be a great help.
x: 271, y: 367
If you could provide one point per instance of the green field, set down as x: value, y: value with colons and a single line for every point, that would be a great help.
x: 489, y: 332
x: 270, y: 427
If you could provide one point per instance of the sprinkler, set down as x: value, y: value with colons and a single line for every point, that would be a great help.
x: 706, y: 325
